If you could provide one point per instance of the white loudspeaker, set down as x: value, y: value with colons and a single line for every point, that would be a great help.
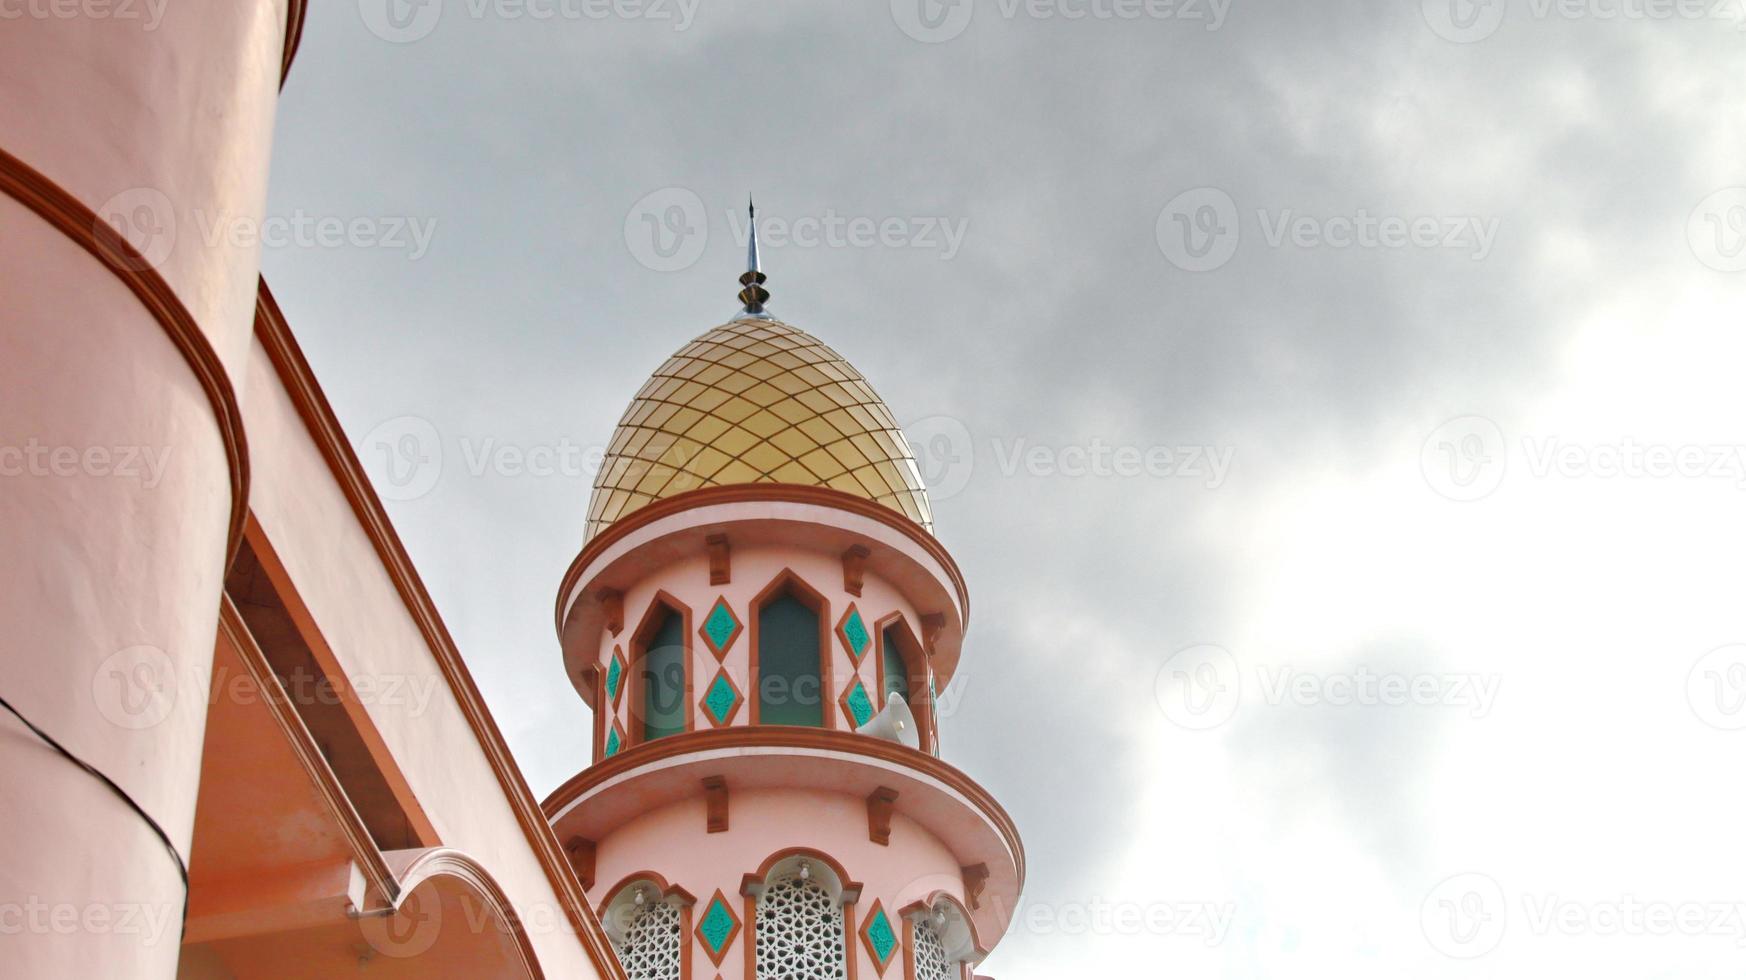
x: 895, y: 723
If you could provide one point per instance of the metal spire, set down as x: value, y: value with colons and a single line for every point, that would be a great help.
x: 753, y: 294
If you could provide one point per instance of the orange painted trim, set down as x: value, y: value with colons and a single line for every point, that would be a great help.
x: 685, y: 936
x: 851, y: 888
x: 695, y: 935
x: 336, y: 449
x: 703, y: 630
x: 787, y: 736
x: 68, y: 215
x: 751, y: 921
x: 909, y: 950
x: 849, y: 934
x: 734, y: 711
x: 842, y: 631
x: 843, y: 701
x: 635, y: 696
x: 615, y: 697
x: 758, y: 492
x: 866, y: 937
x: 655, y: 878
x: 788, y: 580
x: 598, y: 715
x: 294, y: 15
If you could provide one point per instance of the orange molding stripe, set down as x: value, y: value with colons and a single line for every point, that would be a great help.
x: 275, y: 336
x: 773, y: 492
x: 788, y: 737
x: 73, y: 219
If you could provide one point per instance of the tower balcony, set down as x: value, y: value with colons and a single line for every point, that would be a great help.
x: 709, y: 806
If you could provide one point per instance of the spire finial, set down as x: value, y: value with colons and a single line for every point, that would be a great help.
x: 753, y: 295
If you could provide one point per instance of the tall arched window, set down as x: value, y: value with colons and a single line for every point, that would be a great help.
x: 903, y: 670
x: 789, y: 648
x: 647, y: 925
x: 800, y: 931
x: 660, y: 701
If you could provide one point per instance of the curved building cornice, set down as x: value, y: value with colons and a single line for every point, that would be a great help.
x: 755, y: 493
x: 675, y: 749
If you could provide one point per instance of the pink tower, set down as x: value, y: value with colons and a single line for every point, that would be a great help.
x: 761, y: 619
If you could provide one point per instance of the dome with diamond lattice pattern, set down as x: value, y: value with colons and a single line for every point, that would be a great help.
x: 756, y: 401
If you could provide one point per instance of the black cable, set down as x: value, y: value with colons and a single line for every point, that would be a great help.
x: 117, y: 790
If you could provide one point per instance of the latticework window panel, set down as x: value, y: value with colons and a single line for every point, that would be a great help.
x: 800, y: 932
x: 930, y: 954
x: 653, y: 943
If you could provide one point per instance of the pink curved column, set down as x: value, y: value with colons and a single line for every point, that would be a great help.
x: 115, y: 474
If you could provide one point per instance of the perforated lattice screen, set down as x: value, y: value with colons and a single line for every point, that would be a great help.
x: 930, y: 954
x: 652, y: 944
x: 799, y: 932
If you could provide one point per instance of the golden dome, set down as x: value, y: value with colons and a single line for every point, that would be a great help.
x: 756, y: 401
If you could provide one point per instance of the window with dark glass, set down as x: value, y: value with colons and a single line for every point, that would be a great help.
x: 790, y: 691
x: 663, y: 676
x: 896, y: 668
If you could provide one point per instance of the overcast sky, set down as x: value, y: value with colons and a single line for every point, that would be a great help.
x: 1335, y: 409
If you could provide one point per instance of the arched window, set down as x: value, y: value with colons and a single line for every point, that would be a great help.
x: 800, y: 930
x: 660, y: 693
x: 942, y: 939
x: 789, y: 649
x: 648, y: 925
x: 903, y: 670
